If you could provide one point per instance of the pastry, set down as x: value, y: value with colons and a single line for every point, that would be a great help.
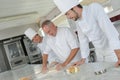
x: 24, y: 78
x: 72, y: 69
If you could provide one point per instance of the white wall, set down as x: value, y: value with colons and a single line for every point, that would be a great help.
x: 116, y: 8
x: 115, y: 4
x: 15, y: 31
x: 61, y: 21
x: 117, y: 25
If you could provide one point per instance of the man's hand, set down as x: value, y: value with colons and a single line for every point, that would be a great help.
x: 44, y: 69
x: 60, y: 66
x: 53, y: 64
x: 44, y: 65
x: 118, y: 55
x: 117, y: 63
x: 82, y: 61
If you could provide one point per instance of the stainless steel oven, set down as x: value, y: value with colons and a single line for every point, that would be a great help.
x: 34, y: 53
x: 15, y: 53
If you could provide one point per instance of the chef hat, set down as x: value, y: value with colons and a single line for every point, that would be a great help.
x: 65, y: 5
x: 30, y: 33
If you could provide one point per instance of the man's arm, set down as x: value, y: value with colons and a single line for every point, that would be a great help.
x: 68, y: 60
x: 44, y: 64
x: 118, y: 55
x: 83, y: 43
x: 71, y: 56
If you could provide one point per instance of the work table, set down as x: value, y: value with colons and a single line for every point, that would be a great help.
x: 86, y: 72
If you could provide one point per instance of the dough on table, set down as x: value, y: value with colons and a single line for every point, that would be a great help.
x: 25, y: 78
x: 72, y: 69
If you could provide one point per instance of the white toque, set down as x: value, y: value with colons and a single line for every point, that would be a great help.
x: 30, y: 33
x: 65, y: 5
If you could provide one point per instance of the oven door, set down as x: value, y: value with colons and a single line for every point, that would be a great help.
x: 15, y: 53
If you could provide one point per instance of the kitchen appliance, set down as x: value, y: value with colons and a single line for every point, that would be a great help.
x: 92, y: 55
x: 15, y: 53
x: 4, y: 64
x: 34, y: 53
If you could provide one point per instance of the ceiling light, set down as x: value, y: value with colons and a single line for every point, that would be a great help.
x: 108, y: 9
x: 80, y: 0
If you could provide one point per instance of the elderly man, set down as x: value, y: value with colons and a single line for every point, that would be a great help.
x: 36, y: 38
x: 63, y: 42
x: 93, y: 25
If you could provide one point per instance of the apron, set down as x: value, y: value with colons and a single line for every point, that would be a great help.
x: 105, y: 53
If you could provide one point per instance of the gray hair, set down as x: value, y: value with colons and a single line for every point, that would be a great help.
x: 46, y: 22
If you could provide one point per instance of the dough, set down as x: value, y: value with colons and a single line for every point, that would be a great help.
x: 72, y: 69
x: 24, y: 78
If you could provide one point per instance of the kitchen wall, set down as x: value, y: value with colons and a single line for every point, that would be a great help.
x: 19, y: 30
x: 115, y: 4
x: 116, y: 8
x: 16, y: 31
x: 117, y: 25
x: 61, y: 21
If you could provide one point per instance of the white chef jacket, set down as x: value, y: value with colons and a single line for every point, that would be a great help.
x: 96, y: 27
x: 51, y: 57
x: 62, y: 44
